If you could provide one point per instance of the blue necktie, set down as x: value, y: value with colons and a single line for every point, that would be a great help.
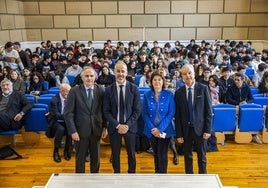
x: 89, y: 97
x: 190, y: 105
x: 121, y: 106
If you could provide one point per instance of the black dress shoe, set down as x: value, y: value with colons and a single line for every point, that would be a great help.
x: 67, y: 155
x: 175, y: 160
x: 56, y: 157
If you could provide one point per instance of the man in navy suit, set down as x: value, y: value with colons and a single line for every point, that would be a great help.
x: 84, y: 120
x: 119, y: 126
x: 193, y: 119
x: 56, y: 120
x: 13, y: 106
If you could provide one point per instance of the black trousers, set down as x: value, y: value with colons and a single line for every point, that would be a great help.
x: 60, y: 131
x: 160, y: 147
x: 91, y: 144
x: 200, y: 145
x: 7, y: 123
x: 116, y: 144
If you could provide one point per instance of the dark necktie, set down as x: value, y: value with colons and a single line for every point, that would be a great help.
x: 190, y: 105
x: 89, y: 97
x: 121, y: 106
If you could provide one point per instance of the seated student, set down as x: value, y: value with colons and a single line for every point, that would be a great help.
x: 56, y: 120
x: 37, y: 86
x: 225, y: 80
x: 17, y: 81
x: 239, y: 92
x: 216, y: 90
x: 106, y: 78
x: 13, y: 106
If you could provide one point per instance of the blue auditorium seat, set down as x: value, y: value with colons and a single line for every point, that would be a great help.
x: 71, y: 79
x: 261, y: 100
x: 36, y: 120
x: 224, y: 118
x: 250, y: 118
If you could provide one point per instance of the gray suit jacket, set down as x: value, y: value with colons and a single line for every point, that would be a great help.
x: 79, y: 117
x: 202, y: 111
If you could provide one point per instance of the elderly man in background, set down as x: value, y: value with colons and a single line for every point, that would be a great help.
x: 13, y: 106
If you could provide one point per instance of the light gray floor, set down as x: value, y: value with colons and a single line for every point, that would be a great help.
x: 133, y: 181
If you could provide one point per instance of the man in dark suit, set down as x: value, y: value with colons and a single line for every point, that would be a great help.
x: 84, y: 120
x: 56, y: 121
x: 122, y: 121
x: 193, y: 119
x: 13, y: 106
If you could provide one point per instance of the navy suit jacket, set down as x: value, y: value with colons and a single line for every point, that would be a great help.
x: 202, y: 110
x: 55, y: 110
x: 132, y: 107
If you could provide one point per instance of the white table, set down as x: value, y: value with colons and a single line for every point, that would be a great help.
x: 67, y: 180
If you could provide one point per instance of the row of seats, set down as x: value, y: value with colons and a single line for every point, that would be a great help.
x: 246, y: 119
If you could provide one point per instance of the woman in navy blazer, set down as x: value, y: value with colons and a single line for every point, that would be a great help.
x: 158, y: 112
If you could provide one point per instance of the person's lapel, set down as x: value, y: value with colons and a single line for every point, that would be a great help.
x: 114, y: 94
x: 84, y: 95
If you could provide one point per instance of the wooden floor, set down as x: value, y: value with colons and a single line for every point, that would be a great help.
x: 242, y: 165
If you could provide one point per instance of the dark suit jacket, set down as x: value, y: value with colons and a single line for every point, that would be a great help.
x: 55, y: 110
x: 79, y: 117
x: 201, y: 108
x: 17, y: 103
x: 132, y: 107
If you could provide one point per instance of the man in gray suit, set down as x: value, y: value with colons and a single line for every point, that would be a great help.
x: 122, y: 109
x: 193, y: 119
x: 84, y: 120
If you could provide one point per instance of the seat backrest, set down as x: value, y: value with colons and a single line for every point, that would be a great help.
x: 250, y: 105
x: 142, y: 90
x: 53, y: 91
x: 30, y: 98
x: 71, y: 79
x: 261, y: 100
x: 250, y: 119
x: 224, y: 119
x: 40, y: 105
x: 137, y: 79
x: 48, y: 95
x: 258, y: 95
x: 45, y: 100
x: 35, y: 120
x: 46, y: 84
x: 254, y: 90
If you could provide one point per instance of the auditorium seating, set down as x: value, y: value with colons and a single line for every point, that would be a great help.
x: 45, y: 99
x: 261, y: 100
x: 35, y: 123
x: 54, y: 90
x: 224, y: 120
x: 71, y: 79
x: 250, y: 121
x: 30, y: 98
x: 137, y: 79
x: 254, y: 90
